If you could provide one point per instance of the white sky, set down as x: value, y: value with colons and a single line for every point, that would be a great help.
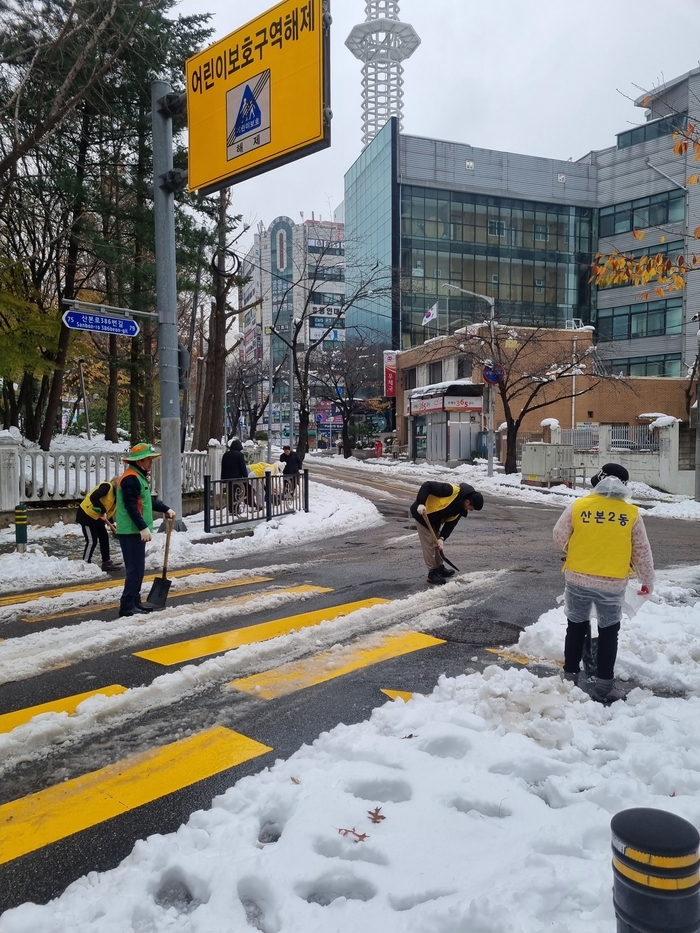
x: 542, y: 77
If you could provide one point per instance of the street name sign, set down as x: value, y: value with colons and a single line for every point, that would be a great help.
x: 259, y: 97
x: 101, y: 323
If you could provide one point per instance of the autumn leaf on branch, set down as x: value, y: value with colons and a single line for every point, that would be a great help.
x: 638, y: 234
x: 375, y: 815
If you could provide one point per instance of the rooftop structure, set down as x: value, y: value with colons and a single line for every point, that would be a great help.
x: 382, y: 43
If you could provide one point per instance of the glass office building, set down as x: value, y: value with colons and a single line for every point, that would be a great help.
x: 412, y: 211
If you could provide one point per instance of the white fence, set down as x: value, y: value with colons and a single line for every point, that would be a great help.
x: 54, y: 477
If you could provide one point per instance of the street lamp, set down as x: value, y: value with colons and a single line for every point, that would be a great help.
x: 491, y: 394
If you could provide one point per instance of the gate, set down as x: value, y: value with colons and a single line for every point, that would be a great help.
x: 234, y: 501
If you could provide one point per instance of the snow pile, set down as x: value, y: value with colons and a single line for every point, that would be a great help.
x: 664, y: 421
x: 549, y: 423
x: 484, y: 807
x: 35, y: 568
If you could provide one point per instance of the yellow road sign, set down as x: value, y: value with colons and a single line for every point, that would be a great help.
x: 260, y: 97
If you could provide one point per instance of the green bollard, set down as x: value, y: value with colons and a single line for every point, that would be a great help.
x: 656, y: 872
x: 21, y: 527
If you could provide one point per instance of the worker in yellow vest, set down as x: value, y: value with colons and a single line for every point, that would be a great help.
x: 440, y: 506
x: 95, y: 516
x: 604, y: 539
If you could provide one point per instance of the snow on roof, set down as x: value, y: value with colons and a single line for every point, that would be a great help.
x: 438, y: 388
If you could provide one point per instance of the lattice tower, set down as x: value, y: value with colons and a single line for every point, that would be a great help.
x: 382, y: 43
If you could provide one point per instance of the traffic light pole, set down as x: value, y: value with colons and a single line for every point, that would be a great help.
x: 164, y: 105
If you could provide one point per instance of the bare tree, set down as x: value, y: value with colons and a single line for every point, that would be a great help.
x: 537, y: 366
x: 346, y: 374
x: 367, y: 286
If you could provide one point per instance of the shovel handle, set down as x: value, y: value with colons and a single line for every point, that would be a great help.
x: 168, y: 531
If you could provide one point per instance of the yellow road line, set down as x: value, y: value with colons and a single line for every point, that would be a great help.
x: 251, y: 634
x: 79, y: 587
x: 522, y: 659
x: 33, y: 822
x: 10, y: 721
x: 103, y: 607
x: 404, y: 695
x: 323, y: 667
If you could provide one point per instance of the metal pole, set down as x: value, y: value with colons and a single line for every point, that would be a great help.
x: 492, y: 399
x: 166, y: 290
x: 697, y: 427
x: 271, y: 376
x: 85, y: 401
x: 291, y: 383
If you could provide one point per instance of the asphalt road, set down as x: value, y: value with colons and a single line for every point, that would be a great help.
x: 517, y: 576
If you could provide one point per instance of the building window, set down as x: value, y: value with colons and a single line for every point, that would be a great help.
x: 541, y: 232
x: 411, y: 378
x: 654, y: 211
x: 668, y: 364
x: 281, y: 251
x: 539, y: 286
x: 642, y: 319
x: 494, y: 281
x: 497, y: 228
x: 435, y: 372
x: 653, y: 130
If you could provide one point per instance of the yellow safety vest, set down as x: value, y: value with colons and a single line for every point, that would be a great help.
x: 437, y: 503
x: 109, y: 504
x: 601, y: 542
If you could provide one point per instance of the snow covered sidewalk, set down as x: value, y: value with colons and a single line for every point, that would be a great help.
x: 484, y: 807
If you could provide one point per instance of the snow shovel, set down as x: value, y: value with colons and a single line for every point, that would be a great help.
x: 161, y: 586
x: 442, y: 553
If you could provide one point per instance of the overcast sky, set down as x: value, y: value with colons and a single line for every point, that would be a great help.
x: 543, y: 77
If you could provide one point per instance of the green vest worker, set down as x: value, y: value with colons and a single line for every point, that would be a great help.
x: 135, y: 508
x: 604, y: 539
x: 441, y: 504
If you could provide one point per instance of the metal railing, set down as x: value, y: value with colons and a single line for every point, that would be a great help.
x: 234, y: 501
x: 581, y: 438
x: 633, y: 437
x: 50, y: 476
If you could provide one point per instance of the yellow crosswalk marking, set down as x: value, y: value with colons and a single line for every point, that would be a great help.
x: 10, y: 721
x: 510, y: 656
x: 404, y: 695
x: 298, y: 675
x: 235, y: 638
x: 104, y: 607
x: 79, y: 587
x: 35, y: 821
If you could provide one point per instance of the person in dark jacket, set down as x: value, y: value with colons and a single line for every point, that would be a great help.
x: 135, y: 508
x: 233, y: 466
x: 95, y: 514
x: 442, y: 505
x: 292, y: 464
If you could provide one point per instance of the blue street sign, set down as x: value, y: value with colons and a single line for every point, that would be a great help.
x: 101, y: 323
x: 319, y: 418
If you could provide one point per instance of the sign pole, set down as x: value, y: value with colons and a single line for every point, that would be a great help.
x: 166, y: 289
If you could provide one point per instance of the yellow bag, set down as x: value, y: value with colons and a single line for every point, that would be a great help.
x: 258, y: 469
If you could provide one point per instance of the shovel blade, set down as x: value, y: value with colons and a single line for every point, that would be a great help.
x: 159, y: 592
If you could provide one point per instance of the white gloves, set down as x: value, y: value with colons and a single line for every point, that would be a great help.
x: 171, y: 515
x: 421, y: 509
x: 145, y: 534
x: 440, y: 544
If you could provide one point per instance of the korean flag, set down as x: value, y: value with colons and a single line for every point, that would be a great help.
x: 431, y: 314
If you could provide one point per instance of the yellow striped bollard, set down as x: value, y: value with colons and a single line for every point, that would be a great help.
x: 21, y: 527
x: 656, y: 872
